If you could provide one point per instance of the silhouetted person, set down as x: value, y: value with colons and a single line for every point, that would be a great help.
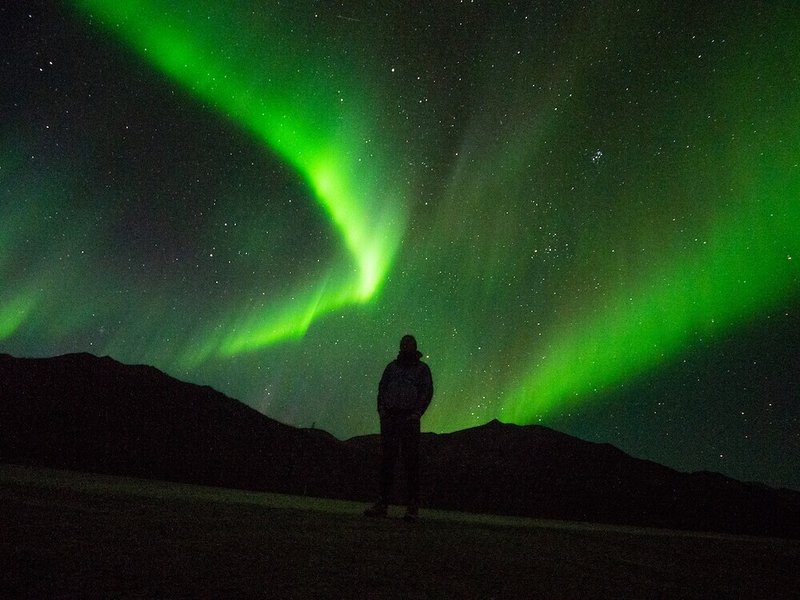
x: 404, y: 393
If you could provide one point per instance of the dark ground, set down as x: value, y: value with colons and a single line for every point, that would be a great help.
x: 70, y: 535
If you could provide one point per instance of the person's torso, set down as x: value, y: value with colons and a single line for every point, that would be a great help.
x: 403, y: 386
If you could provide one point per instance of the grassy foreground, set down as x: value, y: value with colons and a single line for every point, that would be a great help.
x: 71, y: 535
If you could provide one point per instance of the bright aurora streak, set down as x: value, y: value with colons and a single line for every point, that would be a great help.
x: 588, y: 216
x: 293, y: 113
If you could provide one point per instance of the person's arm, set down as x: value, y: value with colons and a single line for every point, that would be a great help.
x: 382, y: 386
x: 425, y: 389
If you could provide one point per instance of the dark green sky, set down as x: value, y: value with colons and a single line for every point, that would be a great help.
x: 588, y: 213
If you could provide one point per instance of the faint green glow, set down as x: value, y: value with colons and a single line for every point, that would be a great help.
x: 705, y: 236
x: 746, y: 266
x: 532, y: 274
x: 262, y: 79
x: 13, y: 313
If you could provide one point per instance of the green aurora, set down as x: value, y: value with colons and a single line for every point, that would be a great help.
x: 553, y: 209
x: 297, y: 115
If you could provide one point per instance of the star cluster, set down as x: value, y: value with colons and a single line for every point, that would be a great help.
x: 588, y: 214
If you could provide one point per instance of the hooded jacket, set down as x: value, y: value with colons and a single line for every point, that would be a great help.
x: 406, y: 384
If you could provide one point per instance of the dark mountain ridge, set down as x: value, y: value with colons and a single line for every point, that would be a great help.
x: 95, y: 414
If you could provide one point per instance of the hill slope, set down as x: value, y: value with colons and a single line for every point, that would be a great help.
x: 94, y: 414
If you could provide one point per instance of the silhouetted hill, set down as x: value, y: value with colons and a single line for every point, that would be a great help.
x: 94, y: 414
x: 87, y: 413
x: 535, y: 470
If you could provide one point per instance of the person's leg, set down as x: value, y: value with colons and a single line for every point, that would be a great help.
x: 390, y: 445
x: 410, y: 450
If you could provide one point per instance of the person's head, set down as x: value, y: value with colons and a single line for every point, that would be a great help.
x: 408, y: 343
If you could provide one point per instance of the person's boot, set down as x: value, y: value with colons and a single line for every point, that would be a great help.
x: 376, y: 510
x: 412, y: 513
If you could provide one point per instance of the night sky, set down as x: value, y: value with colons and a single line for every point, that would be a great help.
x: 588, y: 213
